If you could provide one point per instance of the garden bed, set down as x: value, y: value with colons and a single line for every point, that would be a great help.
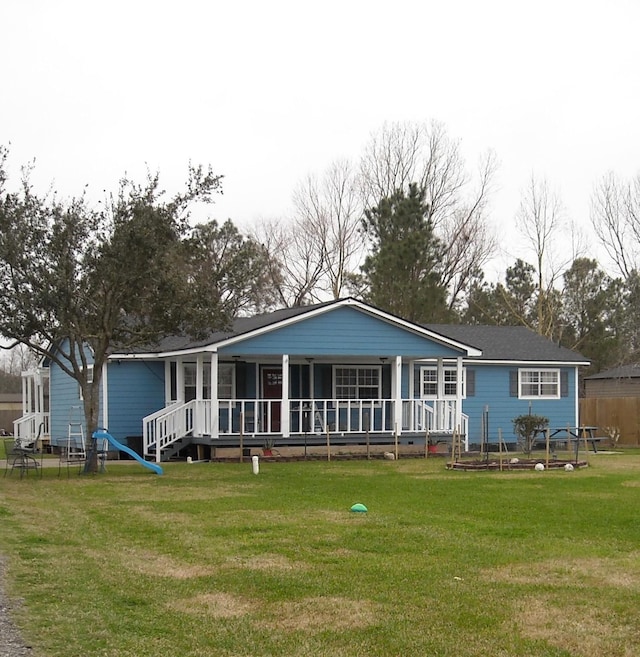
x: 521, y: 464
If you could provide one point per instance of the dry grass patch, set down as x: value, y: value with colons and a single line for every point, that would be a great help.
x: 321, y: 613
x: 577, y: 630
x: 265, y: 562
x: 160, y: 565
x: 623, y: 571
x: 213, y: 605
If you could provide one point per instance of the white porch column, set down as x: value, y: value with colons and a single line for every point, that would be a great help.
x: 439, y: 406
x: 24, y: 394
x: 396, y: 388
x: 180, y: 381
x: 412, y: 395
x: 215, y: 404
x: 167, y: 382
x: 105, y: 396
x: 199, y: 417
x: 459, y: 393
x: 285, y: 419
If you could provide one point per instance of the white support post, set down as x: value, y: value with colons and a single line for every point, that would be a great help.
x: 105, y: 396
x: 167, y: 382
x: 215, y: 404
x: 396, y: 383
x: 439, y: 406
x: 575, y: 396
x: 459, y: 395
x: 284, y: 412
x: 199, y: 419
x: 411, y: 395
x: 180, y: 380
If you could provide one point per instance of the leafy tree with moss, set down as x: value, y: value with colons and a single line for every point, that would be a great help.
x: 76, y: 280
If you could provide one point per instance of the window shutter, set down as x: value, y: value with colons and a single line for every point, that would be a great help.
x: 471, y: 383
x: 241, y: 381
x: 326, y: 374
x: 386, y: 381
x: 564, y: 383
x: 513, y: 383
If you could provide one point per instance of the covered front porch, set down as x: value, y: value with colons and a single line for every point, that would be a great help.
x: 213, y: 399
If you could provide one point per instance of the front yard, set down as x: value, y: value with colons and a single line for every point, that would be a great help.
x: 210, y: 559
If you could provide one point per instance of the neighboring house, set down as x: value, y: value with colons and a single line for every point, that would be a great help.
x: 342, y: 367
x: 10, y: 410
x: 623, y: 381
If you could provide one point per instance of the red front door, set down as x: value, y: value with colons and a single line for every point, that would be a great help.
x: 272, y: 389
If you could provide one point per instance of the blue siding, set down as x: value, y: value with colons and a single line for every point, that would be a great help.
x: 64, y: 404
x: 343, y: 331
x: 136, y: 389
x: 492, y: 390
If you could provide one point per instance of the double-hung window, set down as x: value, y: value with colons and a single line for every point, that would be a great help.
x: 539, y: 383
x: 429, y: 382
x: 357, y: 382
x: 226, y: 380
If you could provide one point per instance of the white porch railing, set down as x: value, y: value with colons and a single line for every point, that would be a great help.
x: 28, y: 428
x: 255, y: 417
x: 164, y: 427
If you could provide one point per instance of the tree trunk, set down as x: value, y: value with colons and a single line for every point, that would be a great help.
x: 91, y: 410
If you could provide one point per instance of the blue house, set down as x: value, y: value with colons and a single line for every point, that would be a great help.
x: 342, y: 368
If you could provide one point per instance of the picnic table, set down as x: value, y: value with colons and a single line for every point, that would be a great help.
x: 569, y: 434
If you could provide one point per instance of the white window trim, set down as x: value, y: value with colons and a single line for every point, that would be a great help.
x: 450, y: 368
x: 378, y: 368
x: 554, y: 370
x: 207, y: 376
x: 232, y: 366
x: 89, y: 369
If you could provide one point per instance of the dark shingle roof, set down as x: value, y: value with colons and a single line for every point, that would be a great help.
x: 622, y: 372
x: 500, y: 343
x: 508, y: 343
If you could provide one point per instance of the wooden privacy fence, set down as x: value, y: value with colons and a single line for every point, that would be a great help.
x: 622, y: 413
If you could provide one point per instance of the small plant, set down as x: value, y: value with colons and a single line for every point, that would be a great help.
x: 527, y: 428
x: 613, y: 434
x: 267, y: 446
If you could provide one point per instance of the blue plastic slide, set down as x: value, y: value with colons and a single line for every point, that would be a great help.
x: 103, y: 433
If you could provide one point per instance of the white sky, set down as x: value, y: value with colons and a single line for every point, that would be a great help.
x: 267, y: 92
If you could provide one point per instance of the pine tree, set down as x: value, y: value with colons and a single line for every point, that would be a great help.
x: 402, y: 271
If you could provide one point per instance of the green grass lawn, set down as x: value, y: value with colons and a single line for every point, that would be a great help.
x: 210, y: 559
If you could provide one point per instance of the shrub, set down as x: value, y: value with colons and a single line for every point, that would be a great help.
x: 526, y: 428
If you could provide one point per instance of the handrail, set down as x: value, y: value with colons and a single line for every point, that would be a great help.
x: 164, y: 427
x: 29, y: 428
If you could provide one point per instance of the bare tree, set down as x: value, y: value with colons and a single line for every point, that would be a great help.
x: 320, y: 245
x: 405, y: 153
x: 17, y: 359
x: 330, y: 210
x: 297, y: 264
x: 615, y: 216
x: 542, y: 221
